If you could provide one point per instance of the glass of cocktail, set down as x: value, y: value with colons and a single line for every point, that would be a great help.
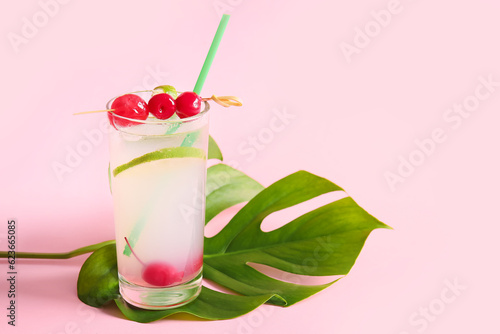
x: 157, y: 177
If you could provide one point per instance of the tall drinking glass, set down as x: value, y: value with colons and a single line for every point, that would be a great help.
x: 157, y: 177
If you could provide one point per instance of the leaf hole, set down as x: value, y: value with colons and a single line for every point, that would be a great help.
x: 285, y: 276
x: 217, y: 287
x: 282, y: 217
x: 216, y: 224
x: 212, y: 162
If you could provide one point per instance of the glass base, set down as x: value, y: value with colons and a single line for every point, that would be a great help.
x: 160, y: 298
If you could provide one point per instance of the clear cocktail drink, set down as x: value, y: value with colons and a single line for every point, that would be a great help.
x: 157, y: 175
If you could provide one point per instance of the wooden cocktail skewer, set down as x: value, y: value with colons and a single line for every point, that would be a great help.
x: 225, y: 101
x: 92, y: 112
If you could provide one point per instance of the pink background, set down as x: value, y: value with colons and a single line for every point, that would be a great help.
x: 354, y: 115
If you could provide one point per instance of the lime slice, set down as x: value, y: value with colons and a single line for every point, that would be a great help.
x: 165, y: 153
x: 170, y: 90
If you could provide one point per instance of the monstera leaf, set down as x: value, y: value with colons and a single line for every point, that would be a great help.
x: 226, y: 187
x: 98, y: 280
x: 323, y: 242
x: 214, y: 151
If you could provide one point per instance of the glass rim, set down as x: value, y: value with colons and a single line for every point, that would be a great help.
x: 155, y: 121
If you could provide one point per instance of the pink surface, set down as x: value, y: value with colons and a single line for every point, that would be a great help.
x: 396, y: 101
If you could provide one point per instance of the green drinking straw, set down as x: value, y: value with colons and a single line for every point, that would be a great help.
x: 211, y: 54
x: 191, y: 138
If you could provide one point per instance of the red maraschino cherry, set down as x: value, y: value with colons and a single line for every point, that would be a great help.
x: 161, y: 274
x: 188, y: 104
x: 129, y: 106
x: 162, y: 106
x: 158, y: 273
